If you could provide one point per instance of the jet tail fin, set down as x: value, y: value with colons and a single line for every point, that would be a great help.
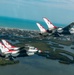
x: 42, y: 29
x: 3, y: 48
x: 49, y: 24
x: 6, y: 43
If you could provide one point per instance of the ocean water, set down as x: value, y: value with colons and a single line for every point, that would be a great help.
x: 22, y: 23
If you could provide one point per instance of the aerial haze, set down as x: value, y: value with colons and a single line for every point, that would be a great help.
x: 56, y: 11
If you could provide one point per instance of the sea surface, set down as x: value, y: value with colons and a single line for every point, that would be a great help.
x: 22, y: 23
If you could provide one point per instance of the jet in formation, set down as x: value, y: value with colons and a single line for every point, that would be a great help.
x: 8, y: 51
x: 4, y: 51
x: 54, y: 30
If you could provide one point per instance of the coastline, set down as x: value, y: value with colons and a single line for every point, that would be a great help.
x: 9, y: 22
x: 18, y: 29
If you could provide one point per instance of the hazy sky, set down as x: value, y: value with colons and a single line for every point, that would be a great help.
x: 57, y: 11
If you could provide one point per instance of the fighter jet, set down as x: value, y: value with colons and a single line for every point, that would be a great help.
x: 68, y: 30
x: 4, y: 51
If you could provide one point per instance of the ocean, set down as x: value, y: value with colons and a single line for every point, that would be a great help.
x: 22, y: 23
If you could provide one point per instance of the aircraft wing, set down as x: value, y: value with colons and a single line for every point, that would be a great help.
x: 69, y: 26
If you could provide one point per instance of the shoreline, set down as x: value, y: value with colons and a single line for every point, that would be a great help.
x: 18, y: 29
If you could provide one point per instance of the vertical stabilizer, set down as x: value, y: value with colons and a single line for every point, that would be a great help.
x: 6, y: 44
x: 3, y: 48
x: 42, y: 29
x: 49, y: 24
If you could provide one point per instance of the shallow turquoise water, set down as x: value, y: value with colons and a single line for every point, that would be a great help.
x: 21, y: 23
